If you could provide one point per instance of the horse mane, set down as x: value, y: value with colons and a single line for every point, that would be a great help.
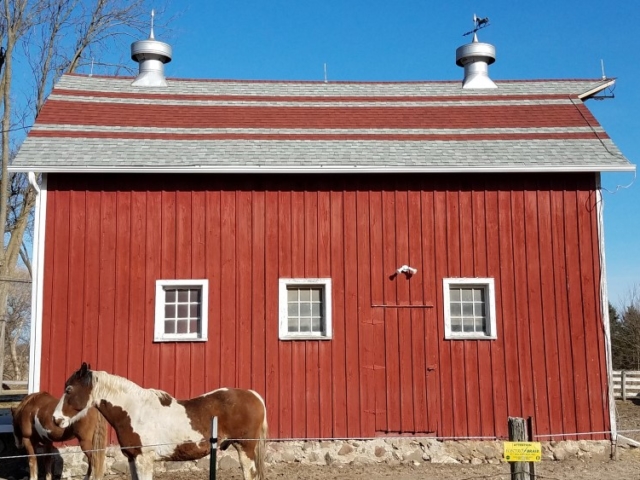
x: 107, y: 383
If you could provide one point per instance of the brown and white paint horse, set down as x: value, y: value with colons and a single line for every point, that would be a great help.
x: 152, y: 425
x: 33, y: 428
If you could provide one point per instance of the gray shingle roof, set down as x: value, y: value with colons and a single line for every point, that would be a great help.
x: 105, y: 124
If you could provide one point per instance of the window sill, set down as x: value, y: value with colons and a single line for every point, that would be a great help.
x: 304, y: 337
x: 178, y: 339
x: 469, y: 337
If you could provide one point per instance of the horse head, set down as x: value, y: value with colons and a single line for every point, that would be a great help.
x: 77, y: 398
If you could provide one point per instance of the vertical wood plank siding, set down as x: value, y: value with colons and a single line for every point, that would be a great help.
x: 387, y: 370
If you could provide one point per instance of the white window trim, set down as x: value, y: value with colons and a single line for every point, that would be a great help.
x: 489, y: 286
x: 284, y: 314
x: 159, y: 335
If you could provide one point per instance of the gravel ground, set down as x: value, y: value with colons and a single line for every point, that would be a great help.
x: 627, y: 468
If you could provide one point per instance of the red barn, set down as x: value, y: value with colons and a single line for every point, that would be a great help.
x: 373, y: 258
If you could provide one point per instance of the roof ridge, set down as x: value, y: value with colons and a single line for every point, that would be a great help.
x: 338, y: 82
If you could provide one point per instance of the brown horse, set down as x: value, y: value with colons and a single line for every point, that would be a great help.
x: 151, y: 424
x: 33, y: 427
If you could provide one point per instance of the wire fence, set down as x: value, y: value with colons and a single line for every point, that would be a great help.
x: 209, y: 446
x: 325, y: 439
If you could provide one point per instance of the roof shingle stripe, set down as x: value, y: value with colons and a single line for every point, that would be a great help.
x: 285, y: 103
x: 128, y: 154
x: 293, y: 131
x: 293, y: 88
x: 74, y: 113
x: 313, y: 136
x: 61, y: 92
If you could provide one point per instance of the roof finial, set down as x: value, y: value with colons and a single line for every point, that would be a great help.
x: 152, y: 15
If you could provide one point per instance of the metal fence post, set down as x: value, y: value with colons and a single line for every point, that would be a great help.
x: 213, y: 455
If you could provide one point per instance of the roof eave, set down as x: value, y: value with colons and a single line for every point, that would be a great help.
x: 331, y: 169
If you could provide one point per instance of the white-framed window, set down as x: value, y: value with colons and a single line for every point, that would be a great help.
x: 305, y: 308
x: 181, y: 310
x: 469, y: 308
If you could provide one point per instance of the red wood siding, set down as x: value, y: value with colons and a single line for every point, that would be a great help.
x: 387, y: 370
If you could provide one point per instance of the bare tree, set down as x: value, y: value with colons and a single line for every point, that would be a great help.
x: 52, y: 37
x: 17, y: 327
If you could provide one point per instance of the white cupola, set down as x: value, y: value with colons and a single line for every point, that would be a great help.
x: 475, y: 58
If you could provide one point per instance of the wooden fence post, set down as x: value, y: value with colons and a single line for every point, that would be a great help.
x: 623, y: 386
x: 518, y: 433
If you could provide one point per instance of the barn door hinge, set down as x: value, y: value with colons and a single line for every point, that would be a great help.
x: 374, y: 367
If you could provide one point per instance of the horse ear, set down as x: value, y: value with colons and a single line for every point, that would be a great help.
x: 84, y: 368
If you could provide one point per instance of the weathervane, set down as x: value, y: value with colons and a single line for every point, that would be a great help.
x: 478, y: 24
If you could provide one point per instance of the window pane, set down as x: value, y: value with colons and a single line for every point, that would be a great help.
x: 481, y: 325
x: 169, y: 311
x: 183, y: 296
x: 305, y: 295
x: 456, y: 309
x: 169, y: 327
x: 316, y: 309
x: 292, y: 295
x: 454, y: 294
x: 456, y: 324
x: 305, y: 324
x: 316, y: 324
x: 293, y: 324
x: 183, y: 311
x: 316, y: 295
x: 305, y: 309
x: 468, y: 325
x: 183, y: 326
x: 293, y: 310
x: 193, y: 326
x: 170, y: 295
x: 478, y: 294
x: 194, y: 310
x: 466, y: 295
x: 478, y: 309
x: 467, y: 309
x: 195, y: 295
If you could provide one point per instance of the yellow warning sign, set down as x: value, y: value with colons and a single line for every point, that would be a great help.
x: 522, y: 451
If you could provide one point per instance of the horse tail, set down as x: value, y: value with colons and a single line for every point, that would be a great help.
x: 261, y: 446
x: 99, y: 455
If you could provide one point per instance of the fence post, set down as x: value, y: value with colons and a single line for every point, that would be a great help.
x: 532, y: 465
x: 518, y: 433
x: 213, y: 455
x: 623, y: 382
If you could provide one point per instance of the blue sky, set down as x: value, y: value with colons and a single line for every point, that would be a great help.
x: 416, y: 40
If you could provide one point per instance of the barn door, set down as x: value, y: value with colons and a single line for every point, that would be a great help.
x: 406, y: 343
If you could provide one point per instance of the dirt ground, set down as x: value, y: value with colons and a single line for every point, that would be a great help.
x: 626, y: 467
